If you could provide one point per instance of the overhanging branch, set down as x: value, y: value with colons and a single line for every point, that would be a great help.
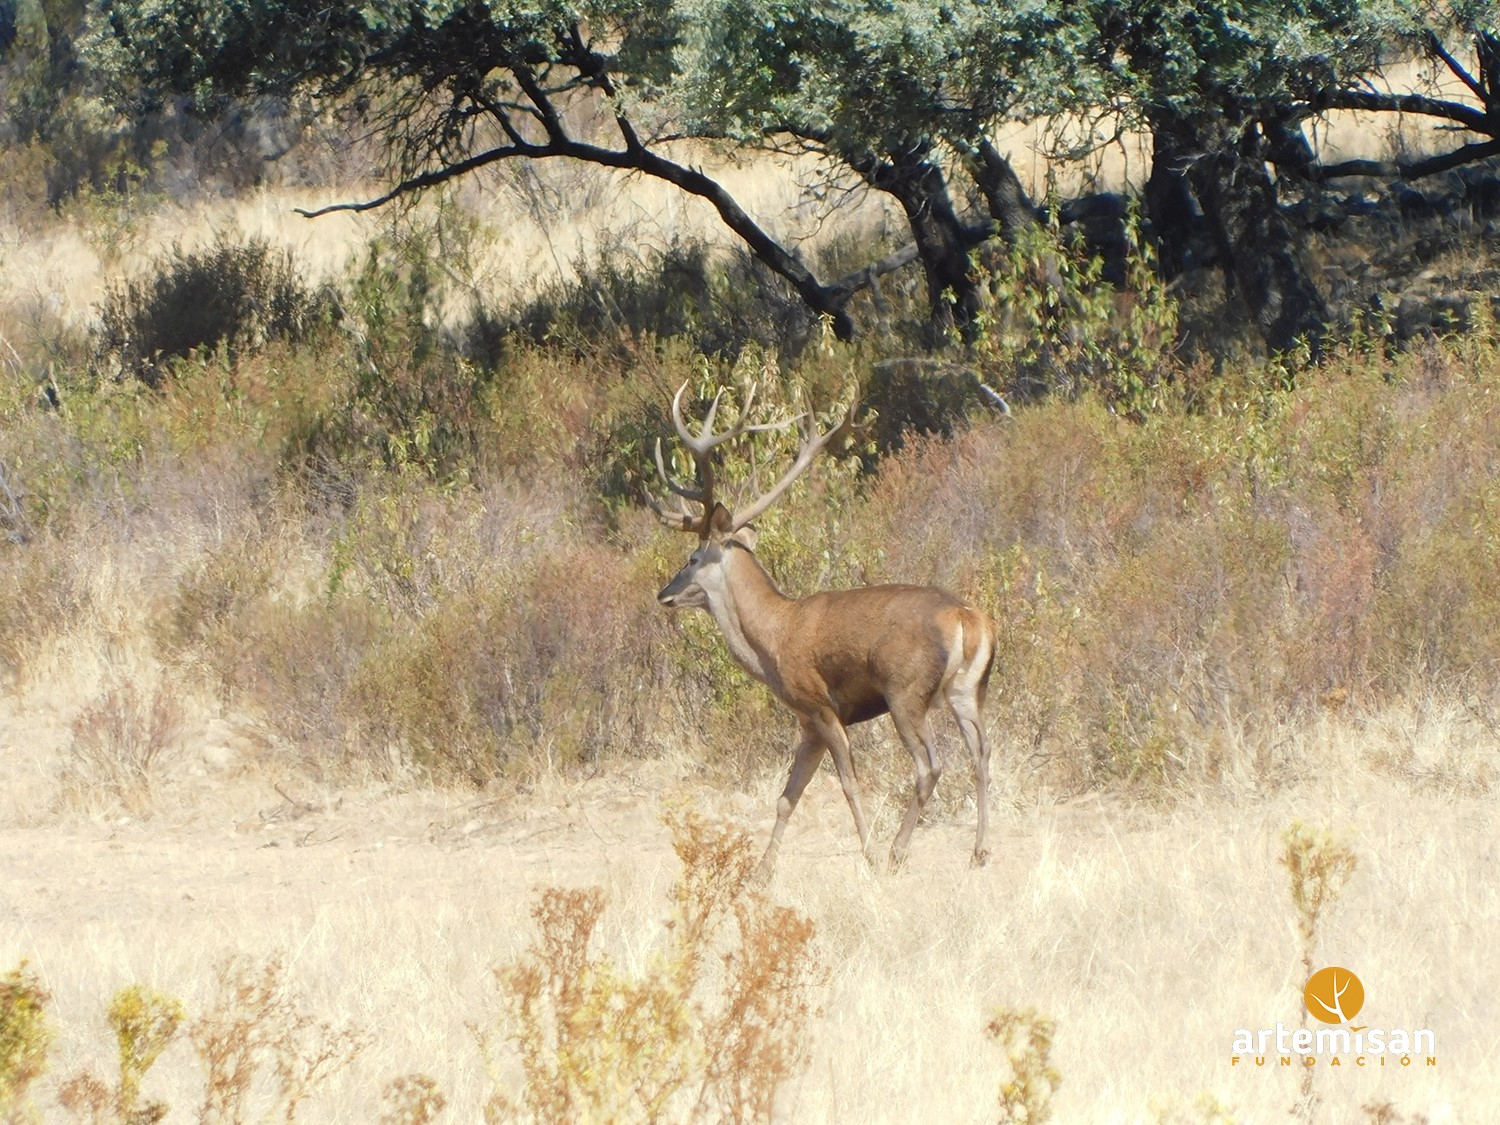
x: 1468, y: 116
x: 1408, y: 169
x: 1435, y: 45
x: 823, y: 299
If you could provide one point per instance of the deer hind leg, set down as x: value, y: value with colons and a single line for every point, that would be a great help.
x: 837, y: 740
x: 917, y: 735
x: 963, y: 700
x: 809, y: 753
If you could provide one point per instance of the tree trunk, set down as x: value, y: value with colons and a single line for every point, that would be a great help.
x: 1003, y: 192
x: 943, y: 241
x: 1176, y: 219
x: 1255, y: 243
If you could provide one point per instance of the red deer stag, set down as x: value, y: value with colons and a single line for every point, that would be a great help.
x: 835, y: 658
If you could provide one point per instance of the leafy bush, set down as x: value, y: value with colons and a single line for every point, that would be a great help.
x: 1056, y: 325
x: 25, y: 1039
x: 407, y: 399
x: 234, y: 294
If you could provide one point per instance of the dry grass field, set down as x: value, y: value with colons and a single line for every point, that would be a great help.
x: 1149, y: 933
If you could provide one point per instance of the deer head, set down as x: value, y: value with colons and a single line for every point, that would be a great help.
x: 718, y: 529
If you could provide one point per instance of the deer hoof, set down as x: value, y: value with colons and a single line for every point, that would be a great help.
x: 980, y: 858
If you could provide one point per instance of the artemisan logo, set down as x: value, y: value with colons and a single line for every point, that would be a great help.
x: 1334, y: 996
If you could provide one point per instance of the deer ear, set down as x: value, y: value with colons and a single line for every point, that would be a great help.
x: 720, y: 521
x: 745, y: 537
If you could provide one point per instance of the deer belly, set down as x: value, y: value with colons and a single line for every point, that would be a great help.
x: 861, y: 706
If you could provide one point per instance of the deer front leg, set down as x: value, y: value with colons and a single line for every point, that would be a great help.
x: 809, y: 754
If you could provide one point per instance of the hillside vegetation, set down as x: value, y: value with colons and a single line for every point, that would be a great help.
x: 408, y: 557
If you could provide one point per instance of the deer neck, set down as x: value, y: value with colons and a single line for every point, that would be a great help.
x: 749, y: 610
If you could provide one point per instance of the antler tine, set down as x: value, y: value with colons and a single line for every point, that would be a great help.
x: 705, y: 439
x: 813, y: 444
x: 680, y: 520
x: 701, y: 445
x: 666, y: 479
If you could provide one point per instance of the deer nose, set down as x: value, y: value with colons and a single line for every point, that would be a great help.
x: 669, y: 593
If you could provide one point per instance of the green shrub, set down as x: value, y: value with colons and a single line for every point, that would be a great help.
x: 235, y: 294
x: 406, y: 400
x: 25, y: 1039
x: 715, y: 301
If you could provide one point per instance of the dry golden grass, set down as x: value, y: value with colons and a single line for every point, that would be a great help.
x: 537, y: 226
x: 1148, y: 934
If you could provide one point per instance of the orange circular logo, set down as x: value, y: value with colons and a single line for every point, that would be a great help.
x: 1333, y: 995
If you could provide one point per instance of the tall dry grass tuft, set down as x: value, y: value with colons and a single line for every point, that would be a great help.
x: 711, y: 1029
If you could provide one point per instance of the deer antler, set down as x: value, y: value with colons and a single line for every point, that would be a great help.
x: 701, y: 445
x: 813, y: 443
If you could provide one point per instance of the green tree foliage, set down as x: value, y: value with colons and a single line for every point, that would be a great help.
x: 452, y: 87
x: 905, y: 96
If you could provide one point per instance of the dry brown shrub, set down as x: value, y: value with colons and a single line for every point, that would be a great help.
x: 412, y: 1099
x: 256, y: 1036
x: 709, y: 1031
x: 120, y: 745
x: 293, y: 666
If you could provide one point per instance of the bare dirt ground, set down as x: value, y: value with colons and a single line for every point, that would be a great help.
x: 1150, y: 932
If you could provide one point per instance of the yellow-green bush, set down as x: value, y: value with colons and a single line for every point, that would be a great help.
x: 25, y: 1039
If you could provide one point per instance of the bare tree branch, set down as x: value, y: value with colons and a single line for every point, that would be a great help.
x: 1407, y: 169
x: 824, y: 299
x: 1477, y: 120
x: 1435, y: 45
x: 865, y: 276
